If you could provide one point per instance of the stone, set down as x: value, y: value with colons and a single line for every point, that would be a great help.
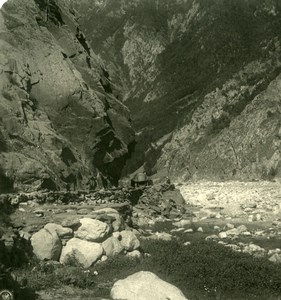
x: 62, y: 232
x: 46, y: 245
x: 254, y: 250
x: 182, y: 223
x: 175, y: 196
x: 144, y: 286
x: 237, y: 231
x: 92, y: 230
x: 134, y: 254
x: 275, y: 258
x: 216, y: 228
x: 84, y: 211
x: 222, y: 235
x: 71, y: 222
x: 229, y: 226
x: 112, y: 246
x: 249, y: 204
x: 82, y: 253
x: 129, y: 240
x: 211, y: 237
x: 117, y: 221
x: 164, y: 236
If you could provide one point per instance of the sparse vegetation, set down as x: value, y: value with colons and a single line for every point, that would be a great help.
x: 203, y: 268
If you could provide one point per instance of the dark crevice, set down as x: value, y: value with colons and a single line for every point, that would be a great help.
x: 49, y: 184
x: 67, y: 156
x: 51, y: 11
x: 82, y: 40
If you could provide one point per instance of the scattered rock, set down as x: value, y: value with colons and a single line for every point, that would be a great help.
x: 79, y: 252
x: 182, y: 223
x: 129, y: 240
x: 92, y: 230
x: 211, y: 237
x: 164, y: 236
x: 229, y: 226
x: 46, y: 245
x: 112, y: 246
x: 62, y: 232
x: 144, y: 286
x: 134, y: 254
x: 275, y: 258
x: 222, y: 235
x: 72, y: 222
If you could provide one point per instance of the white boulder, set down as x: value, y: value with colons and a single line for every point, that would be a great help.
x: 80, y: 252
x: 92, y: 230
x: 129, y: 240
x: 46, y: 245
x: 145, y: 286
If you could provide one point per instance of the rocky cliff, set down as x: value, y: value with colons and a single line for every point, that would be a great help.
x: 201, y: 78
x: 61, y: 127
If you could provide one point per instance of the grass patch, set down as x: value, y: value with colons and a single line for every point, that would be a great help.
x: 203, y: 270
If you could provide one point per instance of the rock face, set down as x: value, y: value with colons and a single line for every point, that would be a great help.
x: 143, y: 286
x: 92, y: 230
x: 214, y: 94
x: 60, y: 125
x: 46, y: 245
x: 81, y: 253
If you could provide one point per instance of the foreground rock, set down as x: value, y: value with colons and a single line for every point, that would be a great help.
x: 82, y: 253
x: 46, y: 245
x: 144, y: 286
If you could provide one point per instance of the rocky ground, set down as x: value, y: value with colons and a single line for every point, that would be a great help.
x: 242, y: 216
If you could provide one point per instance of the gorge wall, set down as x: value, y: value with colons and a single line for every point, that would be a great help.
x: 61, y: 127
x: 202, y: 81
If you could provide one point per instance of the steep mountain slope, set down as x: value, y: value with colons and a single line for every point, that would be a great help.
x: 60, y: 124
x: 200, y: 76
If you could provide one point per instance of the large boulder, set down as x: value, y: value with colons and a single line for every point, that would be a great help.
x: 46, y: 245
x: 144, y: 286
x: 129, y: 240
x: 82, y: 253
x: 112, y: 246
x: 92, y: 230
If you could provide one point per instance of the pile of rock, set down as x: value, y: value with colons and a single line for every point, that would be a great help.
x: 85, y: 241
x: 159, y: 201
x: 114, y: 195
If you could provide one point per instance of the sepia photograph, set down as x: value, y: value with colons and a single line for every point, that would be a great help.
x: 140, y: 150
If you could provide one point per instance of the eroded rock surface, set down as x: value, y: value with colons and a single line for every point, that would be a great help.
x: 60, y: 125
